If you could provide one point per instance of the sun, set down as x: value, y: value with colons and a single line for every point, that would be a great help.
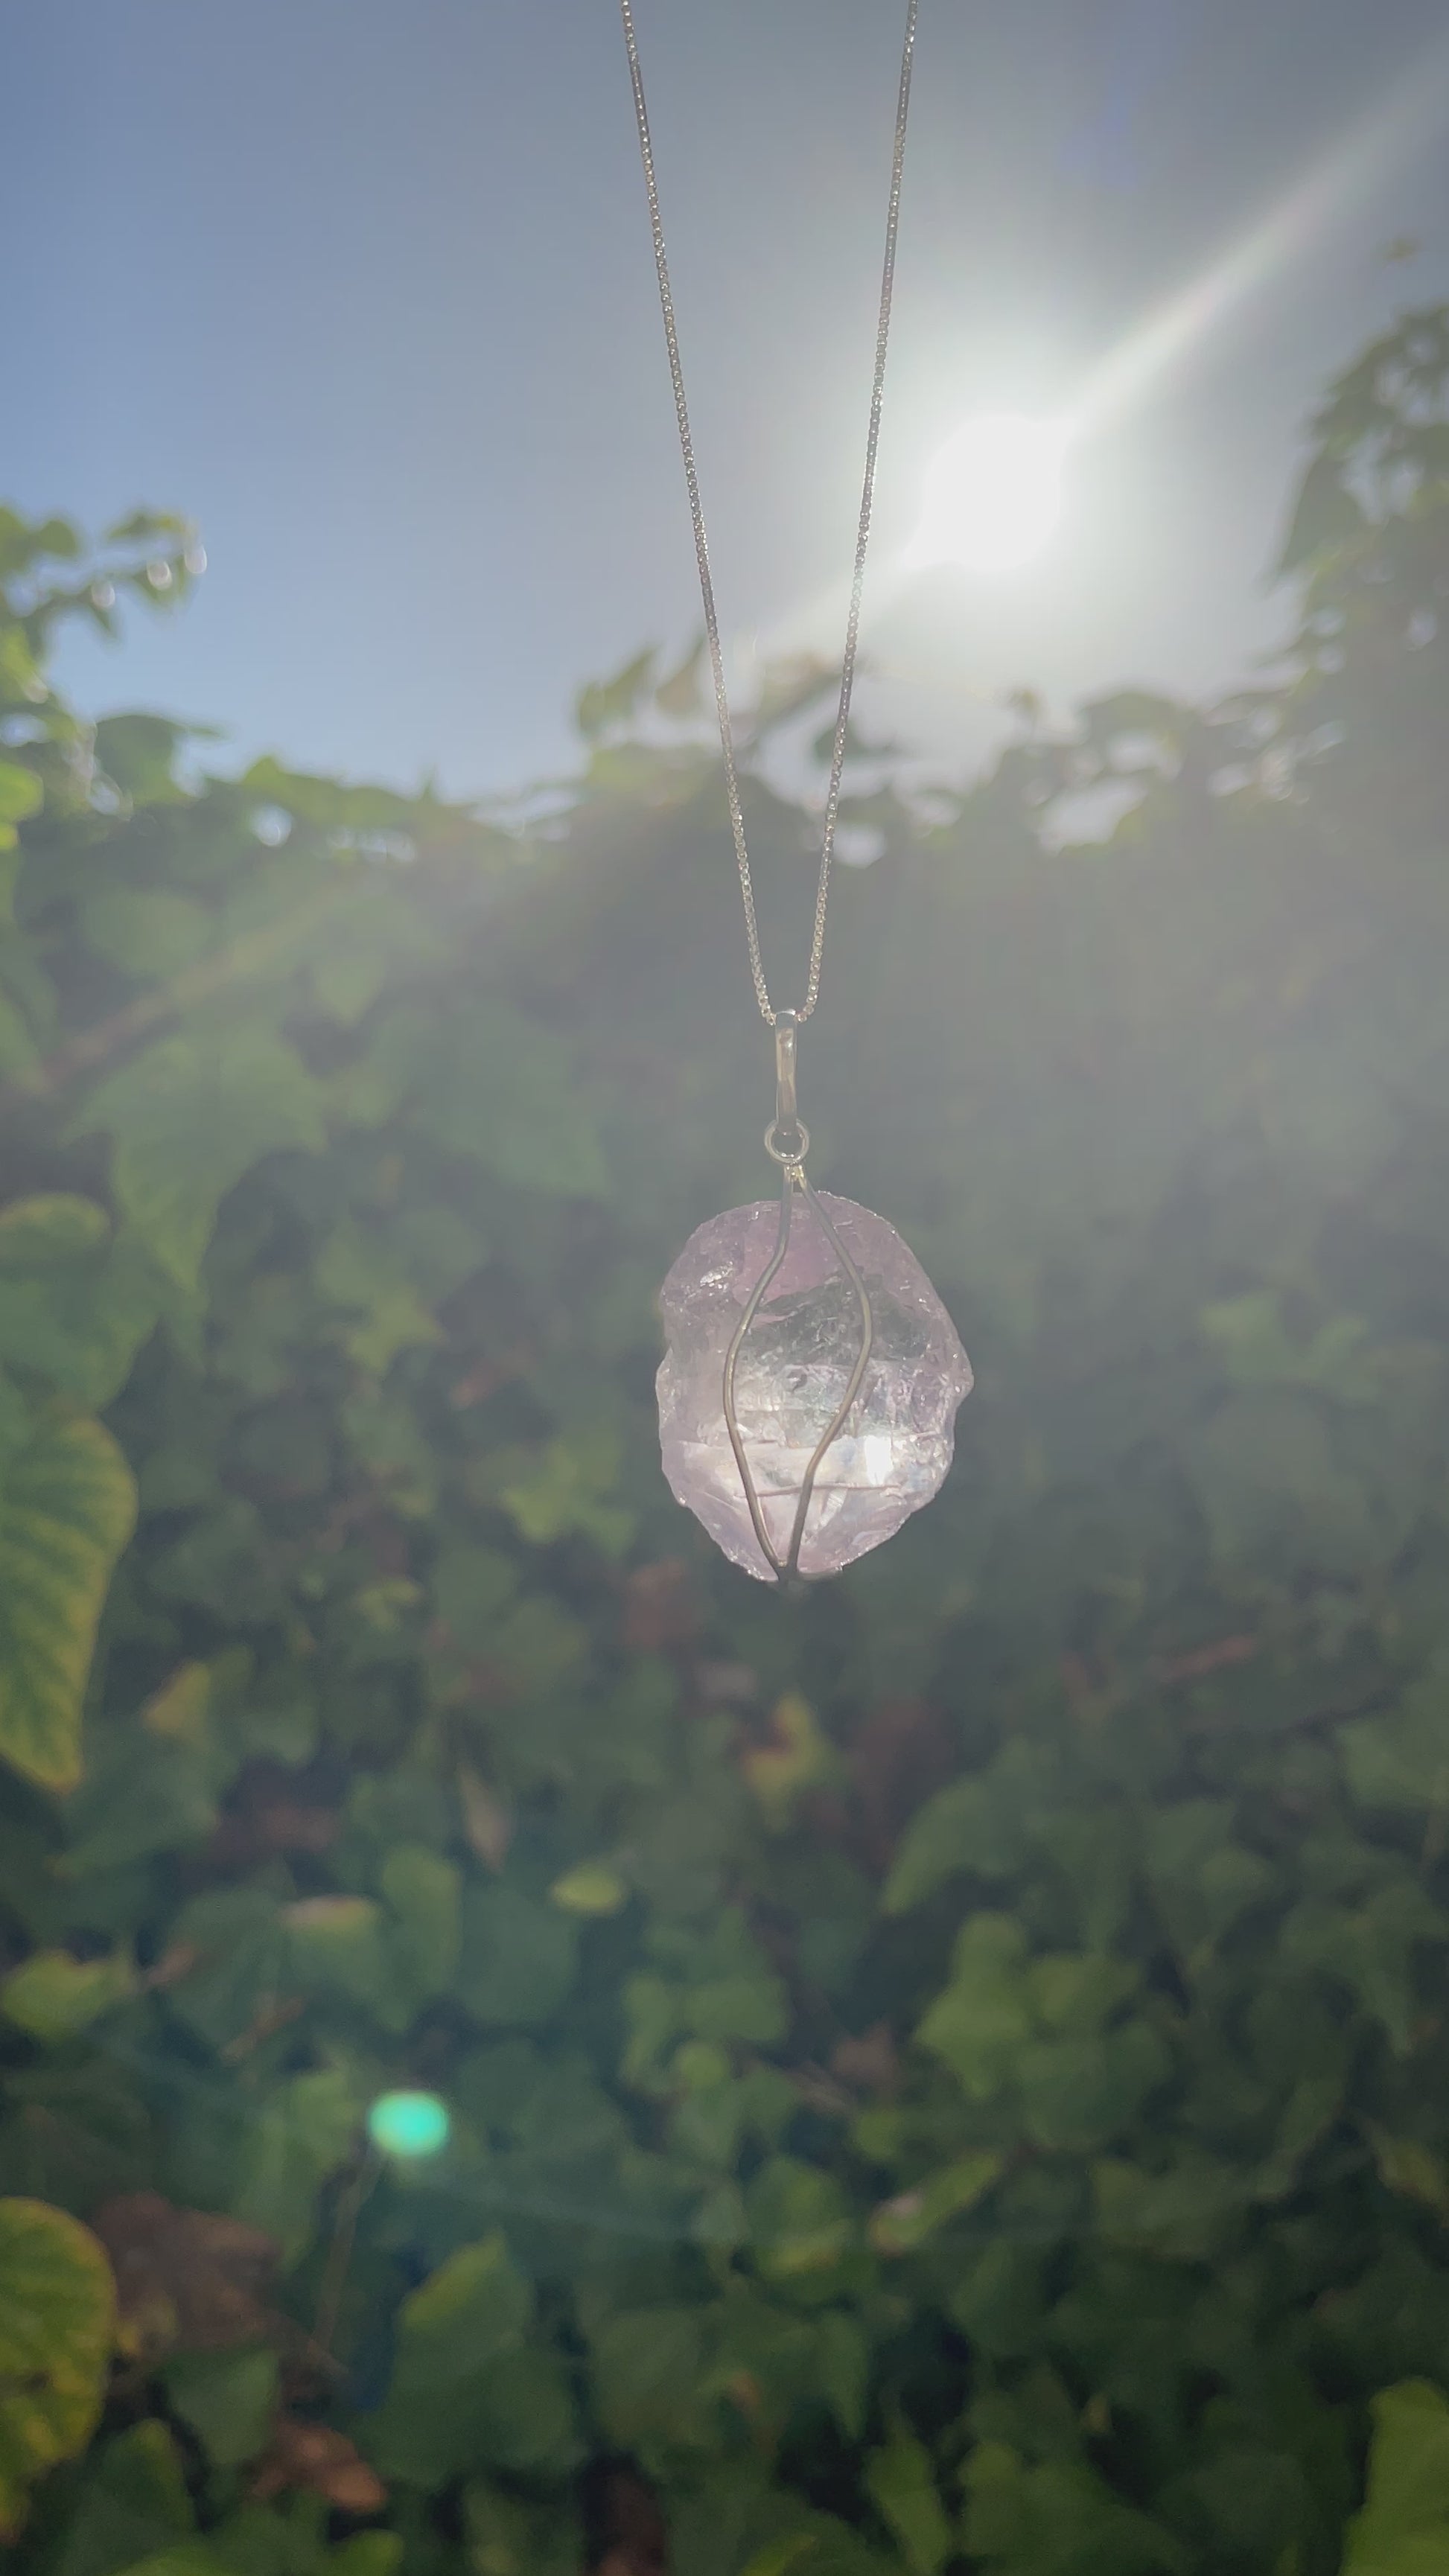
x: 992, y: 494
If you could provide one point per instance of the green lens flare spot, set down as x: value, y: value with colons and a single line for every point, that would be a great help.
x: 408, y: 2124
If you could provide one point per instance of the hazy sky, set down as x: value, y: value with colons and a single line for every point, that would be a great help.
x: 365, y: 285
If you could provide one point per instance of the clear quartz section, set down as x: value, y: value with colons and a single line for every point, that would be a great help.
x: 793, y: 1369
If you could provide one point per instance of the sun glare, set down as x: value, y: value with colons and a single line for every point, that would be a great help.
x: 992, y: 494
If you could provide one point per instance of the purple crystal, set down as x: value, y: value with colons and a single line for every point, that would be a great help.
x: 792, y: 1371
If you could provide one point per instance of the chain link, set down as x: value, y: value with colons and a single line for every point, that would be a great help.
x: 701, y: 547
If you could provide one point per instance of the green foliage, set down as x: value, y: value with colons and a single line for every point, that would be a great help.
x: 57, y: 2316
x: 946, y: 2074
x: 228, y: 2399
x: 901, y: 2482
x: 469, y: 2388
x: 67, y: 1506
x: 131, y: 2504
x: 1055, y: 2520
x: 55, y: 1996
x: 1403, y: 2529
x: 188, y: 1117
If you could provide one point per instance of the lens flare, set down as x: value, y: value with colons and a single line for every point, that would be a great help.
x: 1410, y: 114
x: 408, y: 2124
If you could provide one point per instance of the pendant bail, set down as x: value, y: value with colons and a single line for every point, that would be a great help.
x: 787, y: 1138
x: 787, y: 1024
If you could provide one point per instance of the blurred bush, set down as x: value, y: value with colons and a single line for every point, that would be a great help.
x: 951, y: 2072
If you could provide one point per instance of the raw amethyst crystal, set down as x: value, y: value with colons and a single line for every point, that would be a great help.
x: 791, y: 1374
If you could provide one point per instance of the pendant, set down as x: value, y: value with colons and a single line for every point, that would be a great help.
x: 811, y: 1377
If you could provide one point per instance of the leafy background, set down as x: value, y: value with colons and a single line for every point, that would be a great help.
x: 947, y: 2073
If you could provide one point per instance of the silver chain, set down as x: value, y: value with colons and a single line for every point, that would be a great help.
x: 701, y: 548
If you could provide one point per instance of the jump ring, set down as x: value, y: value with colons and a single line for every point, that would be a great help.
x: 777, y: 1152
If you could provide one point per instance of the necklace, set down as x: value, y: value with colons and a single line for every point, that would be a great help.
x: 810, y: 1384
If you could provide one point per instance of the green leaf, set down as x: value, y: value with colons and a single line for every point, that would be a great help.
x: 603, y: 703
x: 1403, y: 2529
x: 74, y: 2134
x: 798, y: 1756
x: 1400, y: 1761
x: 368, y: 2553
x: 592, y: 1888
x: 138, y: 751
x: 338, y: 1947
x: 777, y: 2557
x: 471, y: 1585
x: 188, y: 1119
x: 1274, y: 1491
x: 998, y: 2300
x: 731, y: 2524
x: 981, y: 2022
x: 423, y: 1892
x: 499, y: 1088
x: 538, y: 1646
x: 648, y: 2369
x: 509, y: 2538
x: 1203, y: 1878
x: 304, y: 2132
x: 240, y: 1956
x: 951, y: 1832
x: 133, y: 2502
x: 898, y: 2226
x: 1411, y: 2169
x: 193, y: 2559
x: 220, y: 1563
x: 1181, y: 2215
x: 57, y: 2325
x: 567, y: 1485
x: 21, y: 793
x: 523, y: 2415
x: 67, y: 1508
x: 799, y: 2219
x: 228, y: 2398
x: 1256, y: 1349
x: 80, y: 1323
x: 54, y: 1996
x: 1371, y: 1949
x: 153, y: 933
x: 842, y: 2367
x: 518, y: 1957
x: 50, y: 1230
x: 73, y: 1309
x: 19, y: 1055
x: 474, y: 2312
x: 1076, y: 2094
x: 903, y: 2488
x: 142, y: 1794
x: 366, y: 1277
x: 1057, y: 2521
x: 1326, y: 516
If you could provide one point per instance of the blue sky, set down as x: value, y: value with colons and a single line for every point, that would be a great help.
x: 366, y: 287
